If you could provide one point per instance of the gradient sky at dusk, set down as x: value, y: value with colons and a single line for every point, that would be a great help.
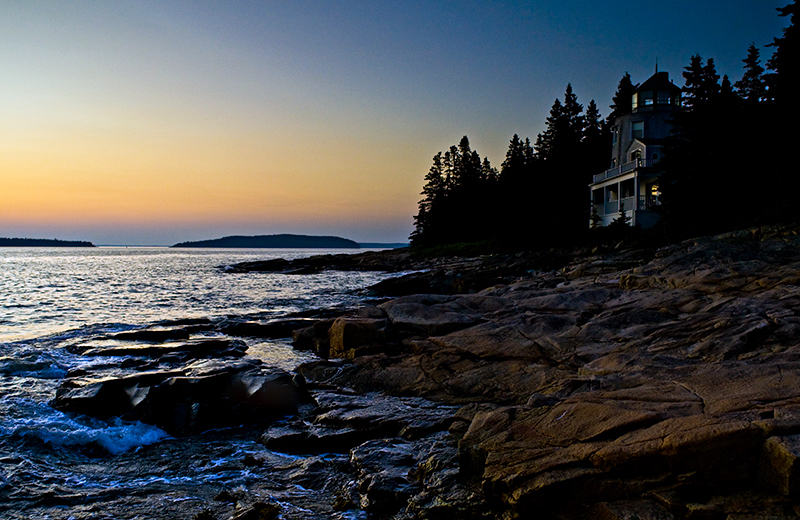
x: 152, y: 122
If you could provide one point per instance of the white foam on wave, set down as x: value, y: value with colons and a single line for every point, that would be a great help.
x: 29, y: 419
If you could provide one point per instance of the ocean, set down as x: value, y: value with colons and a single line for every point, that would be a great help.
x: 55, y: 465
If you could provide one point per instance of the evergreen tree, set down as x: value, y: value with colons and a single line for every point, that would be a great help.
x: 563, y: 169
x: 488, y: 173
x: 784, y: 81
x: 702, y: 82
x: 783, y: 85
x: 622, y: 102
x: 545, y: 141
x: 457, y: 188
x: 701, y: 182
x: 513, y: 166
x: 751, y: 87
x: 592, y: 122
x: 564, y: 129
x: 596, y: 144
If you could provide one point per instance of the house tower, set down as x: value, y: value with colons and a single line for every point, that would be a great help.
x: 631, y: 182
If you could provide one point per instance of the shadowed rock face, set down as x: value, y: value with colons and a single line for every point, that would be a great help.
x: 666, y: 390
x: 182, y: 387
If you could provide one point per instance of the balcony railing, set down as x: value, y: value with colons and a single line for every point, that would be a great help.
x: 612, y: 206
x: 648, y: 201
x: 624, y: 168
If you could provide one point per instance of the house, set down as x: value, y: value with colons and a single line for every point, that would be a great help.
x: 631, y: 183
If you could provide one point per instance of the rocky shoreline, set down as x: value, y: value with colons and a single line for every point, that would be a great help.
x: 649, y: 384
x: 666, y: 390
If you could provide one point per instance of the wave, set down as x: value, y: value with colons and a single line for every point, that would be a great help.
x: 27, y: 419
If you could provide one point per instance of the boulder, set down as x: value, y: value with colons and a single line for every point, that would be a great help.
x: 780, y: 465
x: 203, y: 395
x: 352, y: 337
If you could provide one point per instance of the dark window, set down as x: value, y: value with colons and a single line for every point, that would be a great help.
x: 637, y: 130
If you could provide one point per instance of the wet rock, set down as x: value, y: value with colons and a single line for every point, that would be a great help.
x: 257, y: 329
x: 383, y: 471
x: 202, y: 395
x: 341, y: 422
x: 256, y: 511
x: 314, y: 338
x: 190, y: 349
x: 309, y: 439
x: 155, y: 334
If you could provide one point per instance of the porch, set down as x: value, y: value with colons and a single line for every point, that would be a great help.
x: 622, y: 169
x: 634, y: 195
x: 642, y: 202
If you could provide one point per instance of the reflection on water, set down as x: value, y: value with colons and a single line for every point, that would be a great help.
x: 55, y: 465
x: 49, y: 290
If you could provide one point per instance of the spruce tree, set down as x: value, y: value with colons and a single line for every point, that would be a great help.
x: 784, y: 81
x: 751, y: 87
x: 623, y: 98
x: 546, y: 141
x: 702, y: 82
x: 596, y: 144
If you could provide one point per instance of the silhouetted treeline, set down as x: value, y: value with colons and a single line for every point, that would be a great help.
x: 539, y: 193
x: 728, y: 163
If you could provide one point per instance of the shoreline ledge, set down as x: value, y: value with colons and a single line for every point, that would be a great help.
x: 627, y: 384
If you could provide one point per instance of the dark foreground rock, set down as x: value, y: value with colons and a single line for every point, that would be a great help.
x: 184, y: 387
x: 197, y: 397
x: 668, y: 389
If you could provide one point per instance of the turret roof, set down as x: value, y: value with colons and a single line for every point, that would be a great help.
x: 658, y: 81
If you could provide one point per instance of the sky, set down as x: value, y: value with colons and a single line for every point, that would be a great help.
x: 151, y: 123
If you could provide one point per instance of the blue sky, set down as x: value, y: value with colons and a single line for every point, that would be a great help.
x: 156, y: 122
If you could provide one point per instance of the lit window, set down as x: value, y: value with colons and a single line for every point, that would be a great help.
x: 635, y: 102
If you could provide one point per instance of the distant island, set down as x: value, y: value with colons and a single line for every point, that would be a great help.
x: 276, y: 242
x: 43, y: 242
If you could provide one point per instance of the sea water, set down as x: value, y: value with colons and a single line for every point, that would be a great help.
x: 56, y: 465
